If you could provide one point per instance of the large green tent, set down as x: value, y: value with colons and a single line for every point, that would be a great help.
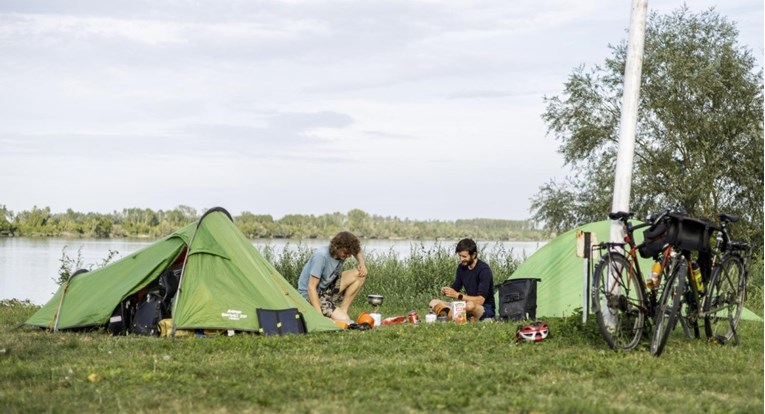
x: 561, y: 271
x: 223, y: 281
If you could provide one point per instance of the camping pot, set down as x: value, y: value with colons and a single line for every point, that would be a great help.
x: 375, y: 300
x: 377, y: 318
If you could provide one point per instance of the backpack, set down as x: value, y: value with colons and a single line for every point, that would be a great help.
x: 119, y: 322
x: 148, y: 313
x: 518, y: 299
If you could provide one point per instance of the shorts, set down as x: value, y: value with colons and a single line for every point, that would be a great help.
x: 329, y: 299
x: 488, y: 312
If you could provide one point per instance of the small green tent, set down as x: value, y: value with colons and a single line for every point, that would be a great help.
x: 223, y: 281
x: 562, y: 272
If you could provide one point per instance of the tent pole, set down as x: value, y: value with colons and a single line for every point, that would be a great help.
x: 63, y: 293
x: 628, y: 121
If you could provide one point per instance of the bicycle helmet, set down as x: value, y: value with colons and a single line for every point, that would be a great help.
x: 533, y: 332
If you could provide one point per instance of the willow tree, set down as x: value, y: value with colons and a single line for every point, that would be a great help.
x: 699, y: 139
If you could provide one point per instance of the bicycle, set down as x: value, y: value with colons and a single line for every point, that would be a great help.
x: 689, y: 295
x: 621, y: 299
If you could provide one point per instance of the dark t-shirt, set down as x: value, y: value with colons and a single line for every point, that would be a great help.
x: 477, y: 282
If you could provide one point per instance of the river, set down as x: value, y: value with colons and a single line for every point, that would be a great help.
x: 29, y: 266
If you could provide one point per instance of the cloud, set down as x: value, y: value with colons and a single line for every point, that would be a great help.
x: 386, y: 99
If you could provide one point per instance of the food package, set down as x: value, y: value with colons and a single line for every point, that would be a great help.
x: 459, y: 311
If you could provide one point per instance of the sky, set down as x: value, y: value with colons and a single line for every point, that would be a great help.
x: 418, y: 109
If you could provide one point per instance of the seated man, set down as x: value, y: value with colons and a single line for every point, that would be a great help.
x: 475, y: 277
x: 325, y: 286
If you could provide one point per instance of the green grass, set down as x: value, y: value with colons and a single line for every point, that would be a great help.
x: 475, y: 367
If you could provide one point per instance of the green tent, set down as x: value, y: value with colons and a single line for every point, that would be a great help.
x: 223, y: 281
x: 562, y: 272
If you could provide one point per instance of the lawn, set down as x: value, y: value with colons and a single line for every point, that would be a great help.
x: 442, y: 367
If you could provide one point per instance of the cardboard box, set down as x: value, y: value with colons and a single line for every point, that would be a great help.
x: 459, y: 311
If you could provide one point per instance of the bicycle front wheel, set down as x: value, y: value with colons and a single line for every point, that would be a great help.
x: 668, y: 309
x: 725, y: 299
x: 618, y: 302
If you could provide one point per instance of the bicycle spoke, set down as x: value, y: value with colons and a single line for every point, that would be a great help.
x: 724, y: 301
x: 618, y: 302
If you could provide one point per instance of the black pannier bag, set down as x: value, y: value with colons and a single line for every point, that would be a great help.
x: 691, y: 234
x: 683, y: 232
x: 148, y: 313
x: 518, y: 299
x: 168, y: 287
x: 121, y: 318
x: 654, y: 239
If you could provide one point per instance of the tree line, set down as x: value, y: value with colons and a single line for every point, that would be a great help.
x: 145, y: 222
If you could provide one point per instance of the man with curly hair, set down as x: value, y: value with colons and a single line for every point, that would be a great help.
x: 325, y: 285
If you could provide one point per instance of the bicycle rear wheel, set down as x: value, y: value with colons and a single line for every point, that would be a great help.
x: 668, y: 309
x: 618, y: 302
x: 725, y: 299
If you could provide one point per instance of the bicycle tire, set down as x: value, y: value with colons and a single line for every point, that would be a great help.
x: 619, y: 316
x: 668, y: 309
x: 724, y: 300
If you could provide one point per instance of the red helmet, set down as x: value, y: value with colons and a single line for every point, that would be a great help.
x: 534, y: 332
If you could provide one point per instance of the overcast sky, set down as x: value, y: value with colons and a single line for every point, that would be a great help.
x: 415, y: 109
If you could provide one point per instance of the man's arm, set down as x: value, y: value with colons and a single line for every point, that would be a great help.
x: 361, y: 266
x: 484, y: 284
x: 453, y: 291
x: 313, y: 294
x: 449, y: 292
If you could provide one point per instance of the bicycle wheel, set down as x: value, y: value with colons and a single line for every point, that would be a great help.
x: 618, y: 305
x: 668, y: 309
x: 724, y: 299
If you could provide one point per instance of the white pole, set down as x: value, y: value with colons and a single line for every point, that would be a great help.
x: 628, y: 121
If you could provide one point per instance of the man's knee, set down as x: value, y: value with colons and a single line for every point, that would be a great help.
x: 351, y: 278
x: 474, y: 309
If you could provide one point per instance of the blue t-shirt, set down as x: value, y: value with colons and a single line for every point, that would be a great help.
x: 321, y: 265
x: 477, y: 282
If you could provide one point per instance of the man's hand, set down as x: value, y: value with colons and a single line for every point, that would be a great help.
x: 449, y: 292
x: 362, y: 268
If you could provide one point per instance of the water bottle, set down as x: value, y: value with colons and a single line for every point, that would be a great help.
x: 655, y: 280
x: 696, y: 276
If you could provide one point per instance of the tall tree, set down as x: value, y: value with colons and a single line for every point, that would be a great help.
x: 699, y: 140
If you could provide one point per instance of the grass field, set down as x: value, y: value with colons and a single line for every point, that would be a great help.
x: 443, y: 367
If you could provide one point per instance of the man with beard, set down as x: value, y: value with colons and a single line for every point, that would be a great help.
x: 475, y: 277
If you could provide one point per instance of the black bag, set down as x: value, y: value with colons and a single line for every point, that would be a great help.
x: 168, y: 287
x: 518, y: 299
x: 683, y: 232
x: 148, y: 313
x: 654, y: 239
x: 691, y: 234
x: 121, y: 318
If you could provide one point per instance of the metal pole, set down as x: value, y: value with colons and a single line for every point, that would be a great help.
x: 628, y: 121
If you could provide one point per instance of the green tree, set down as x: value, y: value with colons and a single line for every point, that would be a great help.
x: 699, y: 140
x: 6, y: 221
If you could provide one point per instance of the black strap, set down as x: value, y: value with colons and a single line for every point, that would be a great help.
x: 336, y: 273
